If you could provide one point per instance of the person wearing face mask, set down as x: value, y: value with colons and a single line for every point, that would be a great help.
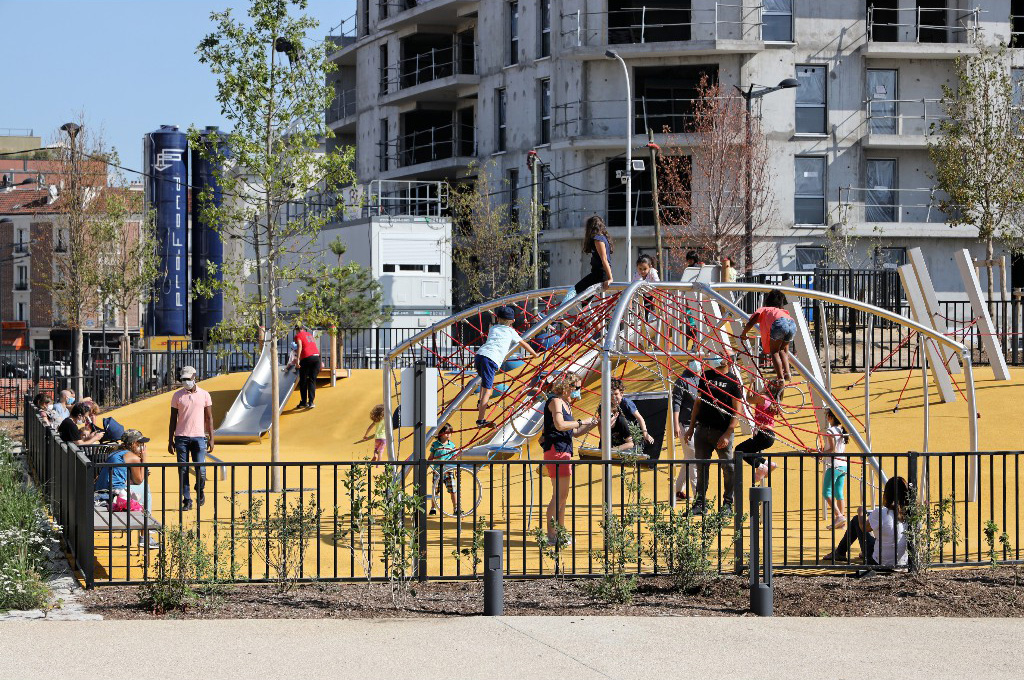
x: 77, y: 429
x: 559, y: 429
x: 44, y: 407
x: 63, y: 407
x: 190, y: 433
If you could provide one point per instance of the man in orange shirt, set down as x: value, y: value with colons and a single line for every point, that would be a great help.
x: 307, y: 354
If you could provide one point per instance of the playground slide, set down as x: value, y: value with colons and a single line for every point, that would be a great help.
x: 249, y: 417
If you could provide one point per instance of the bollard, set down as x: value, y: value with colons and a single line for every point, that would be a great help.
x: 762, y: 596
x: 494, y: 583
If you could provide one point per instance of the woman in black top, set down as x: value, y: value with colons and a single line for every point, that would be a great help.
x: 559, y: 429
x: 598, y: 244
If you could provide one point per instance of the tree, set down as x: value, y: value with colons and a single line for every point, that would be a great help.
x: 490, y: 249
x: 272, y: 87
x: 342, y: 297
x: 128, y: 253
x: 701, y: 177
x: 978, y: 150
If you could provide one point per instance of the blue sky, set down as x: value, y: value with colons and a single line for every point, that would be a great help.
x: 129, y: 65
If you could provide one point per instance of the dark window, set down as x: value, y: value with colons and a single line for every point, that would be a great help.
x: 382, y: 9
x: 632, y: 22
x: 512, y: 186
x: 383, y: 68
x: 545, y: 28
x: 384, y: 143
x: 665, y: 95
x: 643, y: 212
x: 467, y: 52
x: 890, y: 258
x: 426, y: 57
x: 545, y: 110
x: 544, y: 180
x: 809, y: 190
x: 811, y: 111
x: 883, y: 20
x: 499, y: 115
x: 809, y: 257
x: 366, y: 17
x: 777, y: 21
x: 545, y: 268
x: 513, y: 33
x: 434, y: 268
x: 1016, y: 23
x: 933, y: 26
x: 428, y: 135
x: 467, y: 132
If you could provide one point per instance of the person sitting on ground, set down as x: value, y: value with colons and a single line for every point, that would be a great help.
x: 76, y: 429
x: 628, y: 407
x: 777, y: 331
x: 443, y: 448
x: 881, y: 533
x: 62, y: 409
x: 501, y: 338
x: 126, y: 486
x: 44, y: 407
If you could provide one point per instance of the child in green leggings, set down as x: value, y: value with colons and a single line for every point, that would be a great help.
x: 833, y: 484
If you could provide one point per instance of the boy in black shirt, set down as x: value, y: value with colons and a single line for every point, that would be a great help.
x: 712, y: 421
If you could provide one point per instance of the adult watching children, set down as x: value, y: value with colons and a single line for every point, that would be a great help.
x: 190, y: 433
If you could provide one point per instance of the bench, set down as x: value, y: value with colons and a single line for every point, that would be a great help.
x: 110, y: 521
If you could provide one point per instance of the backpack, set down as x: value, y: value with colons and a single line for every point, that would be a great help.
x: 112, y: 431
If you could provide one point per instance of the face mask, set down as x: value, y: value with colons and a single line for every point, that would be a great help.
x: 575, y: 394
x: 71, y: 400
x: 189, y: 384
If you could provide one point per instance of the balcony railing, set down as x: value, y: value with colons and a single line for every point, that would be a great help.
x: 407, y: 198
x: 923, y: 25
x: 431, y: 144
x: 883, y: 205
x: 655, y: 24
x: 345, y: 29
x: 903, y: 116
x: 21, y: 247
x: 606, y: 117
x: 21, y: 285
x: 343, y: 106
x: 433, y: 65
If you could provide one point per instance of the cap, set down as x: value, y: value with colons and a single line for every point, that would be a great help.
x: 505, y: 312
x: 714, y: 360
x: 187, y: 372
x: 132, y: 436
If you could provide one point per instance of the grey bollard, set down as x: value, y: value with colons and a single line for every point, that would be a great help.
x: 494, y: 581
x: 762, y: 596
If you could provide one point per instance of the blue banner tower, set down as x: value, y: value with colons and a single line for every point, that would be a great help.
x: 207, y: 248
x: 166, y: 153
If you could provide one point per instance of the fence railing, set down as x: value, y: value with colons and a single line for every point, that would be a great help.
x: 640, y: 23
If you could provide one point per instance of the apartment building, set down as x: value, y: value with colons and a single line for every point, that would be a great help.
x: 425, y: 89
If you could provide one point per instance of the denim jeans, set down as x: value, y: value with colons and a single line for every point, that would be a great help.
x: 195, y: 447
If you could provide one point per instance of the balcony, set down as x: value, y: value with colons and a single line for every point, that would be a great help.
x: 430, y: 152
x: 394, y: 13
x: 901, y: 123
x: 639, y: 30
x: 909, y: 213
x: 341, y: 115
x: 21, y: 248
x: 439, y: 74
x: 21, y: 285
x: 601, y: 123
x: 344, y: 37
x: 920, y: 32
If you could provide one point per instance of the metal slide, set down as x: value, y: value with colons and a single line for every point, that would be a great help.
x: 249, y: 417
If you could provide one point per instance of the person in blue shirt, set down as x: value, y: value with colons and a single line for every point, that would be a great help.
x: 501, y: 338
x: 598, y: 244
x: 628, y: 408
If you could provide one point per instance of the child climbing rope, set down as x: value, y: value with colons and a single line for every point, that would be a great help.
x: 777, y: 330
x: 501, y: 338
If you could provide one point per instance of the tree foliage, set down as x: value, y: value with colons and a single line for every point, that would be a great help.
x: 342, y: 296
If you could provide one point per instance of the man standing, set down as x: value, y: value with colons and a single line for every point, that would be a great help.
x: 190, y: 433
x: 712, y: 421
x: 307, y: 354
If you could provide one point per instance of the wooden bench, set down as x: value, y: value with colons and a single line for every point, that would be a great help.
x: 120, y: 520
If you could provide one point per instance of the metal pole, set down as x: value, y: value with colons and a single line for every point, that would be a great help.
x: 654, y: 200
x: 762, y: 597
x: 924, y: 390
x: 748, y: 180
x: 629, y: 173
x: 868, y: 344
x: 972, y: 409
x: 420, y: 456
x: 494, y: 582
x: 535, y: 222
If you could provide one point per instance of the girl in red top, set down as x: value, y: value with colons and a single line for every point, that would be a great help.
x: 777, y: 331
x: 766, y: 407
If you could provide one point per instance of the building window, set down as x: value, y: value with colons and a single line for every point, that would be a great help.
x: 544, y: 271
x: 665, y: 96
x: 366, y: 17
x: 383, y: 66
x: 890, y: 258
x: 382, y: 9
x: 21, y: 282
x: 513, y: 33
x: 384, y: 141
x: 499, y: 115
x: 545, y: 110
x: 512, y: 186
x: 809, y: 257
x: 545, y: 28
x: 777, y: 21
x: 62, y: 241
x: 809, y: 190
x: 811, y: 109
x: 544, y: 180
x: 1016, y: 23
x: 21, y: 312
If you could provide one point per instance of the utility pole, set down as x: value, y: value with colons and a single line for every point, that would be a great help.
x: 533, y: 163
x: 654, y: 148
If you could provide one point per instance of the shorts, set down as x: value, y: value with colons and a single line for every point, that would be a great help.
x: 783, y: 329
x: 833, y: 484
x: 486, y: 369
x: 379, y: 445
x: 448, y: 476
x: 558, y: 470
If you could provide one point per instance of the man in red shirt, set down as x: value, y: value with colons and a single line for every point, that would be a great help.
x: 307, y: 353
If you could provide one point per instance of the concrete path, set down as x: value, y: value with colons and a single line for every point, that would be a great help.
x: 517, y: 647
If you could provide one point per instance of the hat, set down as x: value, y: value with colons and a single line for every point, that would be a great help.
x: 505, y: 312
x: 714, y: 360
x: 132, y: 436
x: 187, y: 372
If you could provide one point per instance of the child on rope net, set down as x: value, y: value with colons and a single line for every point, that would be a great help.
x: 443, y: 448
x: 766, y: 408
x: 501, y: 338
x: 833, y: 483
x: 777, y: 330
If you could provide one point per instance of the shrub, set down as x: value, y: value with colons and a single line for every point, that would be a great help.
x: 476, y: 546
x: 393, y: 508
x: 992, y: 534
x: 688, y: 544
x: 622, y: 545
x: 281, y: 537
x: 930, y: 527
x: 188, y: 569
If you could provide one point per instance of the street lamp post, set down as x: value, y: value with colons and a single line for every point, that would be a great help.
x: 77, y: 335
x: 749, y: 95
x: 612, y: 54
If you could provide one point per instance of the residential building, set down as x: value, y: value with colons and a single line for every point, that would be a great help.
x: 426, y: 89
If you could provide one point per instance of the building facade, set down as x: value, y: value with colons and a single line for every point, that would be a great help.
x: 427, y: 89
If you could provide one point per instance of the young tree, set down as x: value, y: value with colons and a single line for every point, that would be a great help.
x: 272, y: 87
x: 702, y: 177
x: 490, y: 249
x: 978, y: 150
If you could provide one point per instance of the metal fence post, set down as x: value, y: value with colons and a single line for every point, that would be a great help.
x: 420, y: 456
x: 912, y: 472
x: 762, y: 596
x: 737, y: 517
x: 494, y: 582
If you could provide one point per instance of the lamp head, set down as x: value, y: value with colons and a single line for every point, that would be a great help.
x: 611, y: 54
x: 71, y: 128
x: 788, y: 83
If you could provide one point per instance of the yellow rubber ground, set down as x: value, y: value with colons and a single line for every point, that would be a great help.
x: 513, y: 497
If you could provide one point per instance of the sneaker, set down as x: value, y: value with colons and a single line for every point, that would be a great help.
x: 760, y: 473
x: 433, y: 511
x: 681, y: 496
x: 697, y: 509
x: 150, y: 542
x: 201, y: 497
x: 302, y: 404
x: 186, y: 504
x: 726, y: 509
x: 839, y: 523
x: 311, y: 405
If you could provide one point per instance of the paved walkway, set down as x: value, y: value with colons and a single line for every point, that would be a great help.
x: 518, y: 647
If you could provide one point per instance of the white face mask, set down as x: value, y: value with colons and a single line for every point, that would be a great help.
x: 189, y: 384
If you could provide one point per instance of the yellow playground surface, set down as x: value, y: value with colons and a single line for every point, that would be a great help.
x: 514, y: 495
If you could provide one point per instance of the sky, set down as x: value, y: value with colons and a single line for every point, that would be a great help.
x: 128, y: 65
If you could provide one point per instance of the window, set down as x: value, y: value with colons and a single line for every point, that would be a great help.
x: 642, y: 208
x: 383, y: 66
x: 21, y: 312
x: 664, y: 96
x: 1016, y: 23
x: 410, y: 254
x: 811, y: 111
x: 545, y: 110
x: 809, y: 191
x: 890, y: 258
x: 545, y: 28
x: 22, y: 279
x: 545, y: 268
x: 513, y: 33
x: 932, y: 26
x: 880, y: 201
x: 631, y: 22
x: 62, y: 241
x: 512, y: 186
x: 544, y: 180
x: 384, y: 141
x: 1017, y: 105
x: 883, y: 20
x: 809, y: 257
x: 777, y: 21
x: 499, y: 116
x: 382, y: 9
x: 366, y: 17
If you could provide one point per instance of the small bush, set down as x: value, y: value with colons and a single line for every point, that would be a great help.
x: 688, y: 544
x: 622, y: 541
x: 475, y: 548
x: 992, y: 536
x: 188, y: 569
x: 930, y: 527
x: 282, y: 536
x: 393, y: 509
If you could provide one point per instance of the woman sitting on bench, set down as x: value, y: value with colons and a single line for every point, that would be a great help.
x: 127, y: 485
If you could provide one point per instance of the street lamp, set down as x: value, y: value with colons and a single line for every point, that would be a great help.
x: 612, y: 54
x: 749, y: 95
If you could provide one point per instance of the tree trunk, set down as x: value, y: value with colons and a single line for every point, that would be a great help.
x: 126, y: 361
x: 77, y: 365
x: 989, y: 256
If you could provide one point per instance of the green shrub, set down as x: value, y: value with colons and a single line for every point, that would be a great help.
x: 689, y: 544
x: 282, y: 536
x: 188, y: 569
x: 930, y: 527
x: 394, y: 512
